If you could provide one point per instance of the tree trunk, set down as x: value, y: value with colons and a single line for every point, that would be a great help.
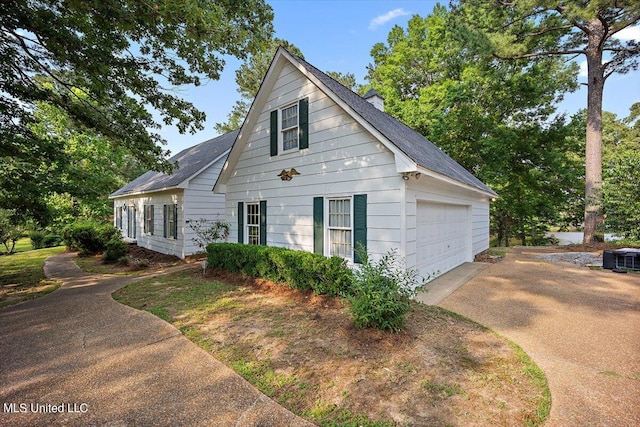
x: 593, y: 218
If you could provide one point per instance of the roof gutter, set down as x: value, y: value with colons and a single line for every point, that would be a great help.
x: 451, y: 181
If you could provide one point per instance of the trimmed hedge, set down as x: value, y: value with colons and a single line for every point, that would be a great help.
x: 299, y: 269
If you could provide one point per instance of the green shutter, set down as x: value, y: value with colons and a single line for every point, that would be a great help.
x: 359, y: 223
x: 165, y: 219
x: 175, y: 221
x: 263, y: 222
x: 240, y: 222
x: 144, y: 219
x: 318, y: 225
x: 152, y: 219
x: 274, y: 133
x: 303, y: 123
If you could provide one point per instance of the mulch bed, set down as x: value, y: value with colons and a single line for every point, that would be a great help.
x: 154, y: 258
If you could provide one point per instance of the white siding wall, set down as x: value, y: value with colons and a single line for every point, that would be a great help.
x: 342, y: 160
x: 157, y: 241
x: 201, y: 202
x: 429, y: 189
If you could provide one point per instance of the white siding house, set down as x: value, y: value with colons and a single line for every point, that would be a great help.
x: 155, y: 209
x: 316, y: 167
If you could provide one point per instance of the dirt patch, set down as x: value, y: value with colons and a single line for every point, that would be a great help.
x: 486, y: 257
x: 303, y: 351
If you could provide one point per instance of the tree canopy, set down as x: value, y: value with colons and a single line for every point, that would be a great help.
x: 621, y: 169
x: 493, y: 117
x: 248, y: 78
x: 112, y: 67
x: 531, y: 30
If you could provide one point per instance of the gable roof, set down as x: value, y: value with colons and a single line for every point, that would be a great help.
x: 191, y: 162
x: 419, y: 149
x: 413, y: 151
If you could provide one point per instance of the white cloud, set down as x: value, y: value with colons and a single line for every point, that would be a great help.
x: 383, y: 19
x: 583, y: 69
x: 629, y: 33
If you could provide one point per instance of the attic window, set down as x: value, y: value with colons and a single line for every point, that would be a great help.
x: 289, y: 127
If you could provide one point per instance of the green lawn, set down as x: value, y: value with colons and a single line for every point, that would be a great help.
x: 23, y: 245
x: 22, y: 275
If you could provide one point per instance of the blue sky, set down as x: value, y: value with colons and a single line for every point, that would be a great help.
x: 338, y: 36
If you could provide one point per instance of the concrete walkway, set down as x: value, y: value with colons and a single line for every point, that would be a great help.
x: 443, y: 286
x: 581, y: 326
x: 102, y: 363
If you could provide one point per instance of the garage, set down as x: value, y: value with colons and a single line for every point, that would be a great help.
x: 442, y: 236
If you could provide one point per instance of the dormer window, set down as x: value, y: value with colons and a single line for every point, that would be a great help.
x: 290, y: 128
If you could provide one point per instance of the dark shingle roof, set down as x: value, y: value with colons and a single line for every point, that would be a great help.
x: 413, y: 144
x: 190, y: 160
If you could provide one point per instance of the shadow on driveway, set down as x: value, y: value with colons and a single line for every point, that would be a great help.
x: 581, y: 326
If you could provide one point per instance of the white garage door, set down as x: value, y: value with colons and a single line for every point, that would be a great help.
x: 442, y: 237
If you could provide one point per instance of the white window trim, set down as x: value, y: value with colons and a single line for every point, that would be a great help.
x: 172, y: 211
x: 327, y: 228
x: 247, y: 225
x: 119, y: 215
x: 148, y: 221
x: 281, y: 130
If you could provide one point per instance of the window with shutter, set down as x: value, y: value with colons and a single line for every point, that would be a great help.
x: 171, y: 221
x: 289, y: 128
x: 342, y: 221
x: 148, y: 219
x: 253, y: 223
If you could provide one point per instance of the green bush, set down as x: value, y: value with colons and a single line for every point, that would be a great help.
x: 51, y: 240
x: 299, y: 269
x: 37, y: 239
x: 381, y: 292
x: 88, y: 237
x: 115, y: 249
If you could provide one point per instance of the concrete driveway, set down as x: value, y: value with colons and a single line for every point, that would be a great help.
x: 581, y: 326
x: 78, y: 358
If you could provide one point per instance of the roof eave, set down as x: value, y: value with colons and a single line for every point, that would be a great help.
x: 403, y: 162
x: 440, y: 177
x: 141, y: 193
x: 249, y: 122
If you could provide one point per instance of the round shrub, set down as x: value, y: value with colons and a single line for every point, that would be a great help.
x: 88, y: 237
x: 115, y: 249
x: 37, y: 239
x: 381, y: 292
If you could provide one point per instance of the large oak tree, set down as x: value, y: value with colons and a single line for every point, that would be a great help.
x: 127, y: 57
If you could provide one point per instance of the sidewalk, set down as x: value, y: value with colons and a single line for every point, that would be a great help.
x: 103, y: 363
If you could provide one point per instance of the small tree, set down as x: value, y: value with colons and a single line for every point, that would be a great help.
x: 10, y: 230
x: 209, y: 231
